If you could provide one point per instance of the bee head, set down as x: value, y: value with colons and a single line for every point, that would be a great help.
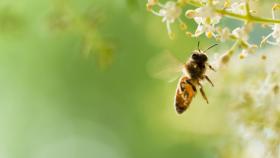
x: 199, y: 57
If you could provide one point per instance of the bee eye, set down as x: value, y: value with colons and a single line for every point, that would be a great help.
x: 205, y: 57
x: 195, y: 56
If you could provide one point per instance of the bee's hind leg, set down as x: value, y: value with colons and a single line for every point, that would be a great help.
x: 208, y: 79
x: 203, y: 93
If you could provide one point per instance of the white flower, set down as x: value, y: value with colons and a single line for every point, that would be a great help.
x: 206, y: 14
x: 223, y: 34
x: 206, y: 18
x: 221, y: 4
x: 169, y: 12
x: 250, y: 49
x: 238, y: 8
x: 240, y: 33
x: 205, y: 28
x: 244, y: 53
x: 275, y: 34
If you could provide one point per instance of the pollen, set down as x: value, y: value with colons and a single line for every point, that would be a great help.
x: 183, y: 26
x: 209, y: 34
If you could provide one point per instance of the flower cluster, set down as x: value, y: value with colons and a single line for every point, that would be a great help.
x: 255, y: 116
x: 207, y: 14
x: 275, y: 34
x: 252, y: 107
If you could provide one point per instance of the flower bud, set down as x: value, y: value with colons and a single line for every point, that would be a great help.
x: 225, y: 58
x: 276, y: 89
x: 183, y: 26
x: 263, y: 57
x: 190, y: 13
x: 189, y: 34
x: 276, y: 6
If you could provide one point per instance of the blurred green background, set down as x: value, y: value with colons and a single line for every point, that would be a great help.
x: 74, y: 84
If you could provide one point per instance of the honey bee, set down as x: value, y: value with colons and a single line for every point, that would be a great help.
x: 194, y: 72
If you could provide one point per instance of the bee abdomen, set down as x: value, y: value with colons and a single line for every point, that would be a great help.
x: 180, y: 110
x: 184, y: 95
x: 181, y: 104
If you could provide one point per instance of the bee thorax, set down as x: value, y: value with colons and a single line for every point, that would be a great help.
x: 195, y: 70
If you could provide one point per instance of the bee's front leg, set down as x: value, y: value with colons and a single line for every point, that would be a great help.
x: 208, y: 79
x: 211, y: 67
x: 203, y: 93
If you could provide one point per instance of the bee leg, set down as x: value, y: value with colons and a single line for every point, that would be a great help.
x: 211, y: 67
x: 203, y: 93
x: 189, y: 82
x: 208, y: 79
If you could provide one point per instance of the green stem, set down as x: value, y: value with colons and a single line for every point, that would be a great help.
x: 233, y: 47
x: 248, y: 8
x: 248, y: 17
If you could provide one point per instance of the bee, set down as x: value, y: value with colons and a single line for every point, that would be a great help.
x: 194, y: 72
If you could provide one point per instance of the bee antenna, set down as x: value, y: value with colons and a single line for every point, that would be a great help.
x: 198, y: 46
x: 210, y: 47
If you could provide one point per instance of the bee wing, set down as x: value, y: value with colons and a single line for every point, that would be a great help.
x: 165, y: 66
